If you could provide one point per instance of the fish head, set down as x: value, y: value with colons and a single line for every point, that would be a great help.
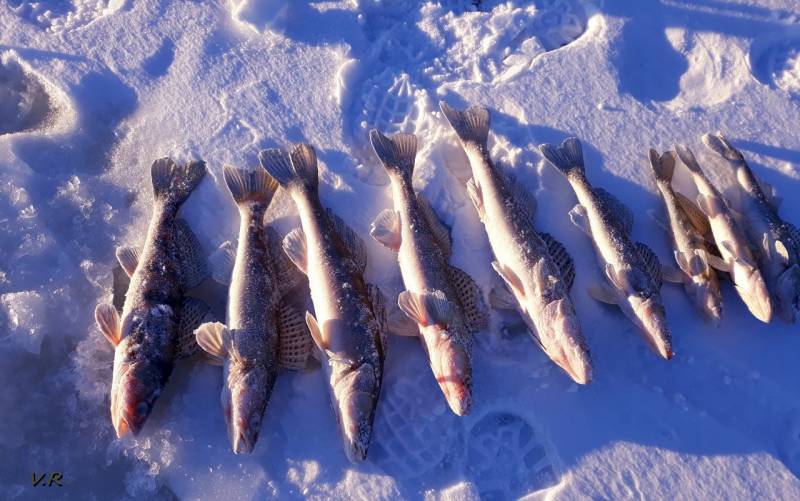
x: 566, y: 347
x: 451, y: 362
x: 356, y: 387
x: 752, y: 289
x: 649, y: 315
x: 705, y: 293
x: 244, y: 400
x: 138, y: 384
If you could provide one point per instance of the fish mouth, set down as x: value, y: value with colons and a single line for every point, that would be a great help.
x: 571, y: 354
x: 453, y: 372
x: 128, y: 422
x: 653, y: 322
x: 707, y: 300
x: 754, y: 292
x: 356, y: 395
x: 243, y: 444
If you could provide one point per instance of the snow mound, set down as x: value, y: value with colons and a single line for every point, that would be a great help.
x: 775, y: 61
x: 260, y: 15
x: 64, y: 15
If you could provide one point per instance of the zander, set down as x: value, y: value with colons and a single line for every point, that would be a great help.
x: 262, y: 331
x: 158, y: 318
x: 631, y: 268
x: 535, y: 267
x: 444, y: 302
x: 350, y: 324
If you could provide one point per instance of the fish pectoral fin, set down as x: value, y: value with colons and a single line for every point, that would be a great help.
x: 672, y: 274
x: 717, y: 262
x: 194, y: 312
x: 386, y: 229
x: 351, y: 240
x: 694, y: 214
x: 781, y: 251
x: 511, y: 279
x: 476, y: 314
x: 213, y: 338
x: 221, y: 262
x: 107, y: 320
x: 603, y: 293
x: 580, y: 218
x: 474, y: 192
x: 500, y: 298
x: 193, y: 263
x: 561, y: 257
x: 428, y: 307
x: 294, y: 245
x: 128, y: 258
x: 294, y: 343
x: 316, y: 332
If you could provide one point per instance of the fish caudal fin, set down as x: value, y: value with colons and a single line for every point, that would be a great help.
x: 174, y: 183
x: 471, y: 125
x: 298, y: 168
x: 396, y: 153
x: 688, y: 159
x: 720, y: 145
x: 250, y: 186
x: 663, y: 165
x: 568, y: 158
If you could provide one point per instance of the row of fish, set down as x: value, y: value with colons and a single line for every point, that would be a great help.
x: 162, y: 318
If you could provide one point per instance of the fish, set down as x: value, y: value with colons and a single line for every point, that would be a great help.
x: 692, y: 254
x: 737, y: 257
x: 349, y: 328
x: 777, y: 242
x: 632, y: 269
x: 158, y: 317
x: 262, y: 331
x: 535, y: 267
x: 443, y: 301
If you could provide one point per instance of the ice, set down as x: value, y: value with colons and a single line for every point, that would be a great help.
x: 21, y: 328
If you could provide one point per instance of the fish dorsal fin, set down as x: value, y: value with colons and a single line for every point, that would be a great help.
x: 694, y: 214
x: 128, y: 258
x: 580, y: 218
x: 214, y: 339
x: 193, y: 313
x: 474, y: 192
x: 620, y: 212
x: 379, y: 311
x: 651, y: 262
x: 561, y: 257
x: 501, y: 299
x: 770, y: 193
x: 525, y: 201
x: 386, y: 229
x: 511, y: 279
x: 316, y: 332
x: 193, y: 264
x: 221, y: 262
x: 603, y: 293
x: 353, y: 243
x: 722, y: 147
x: 429, y: 307
x: 476, y: 315
x: 294, y: 245
x: 440, y: 231
x: 294, y: 343
x: 287, y: 275
x: 781, y: 251
x: 107, y: 320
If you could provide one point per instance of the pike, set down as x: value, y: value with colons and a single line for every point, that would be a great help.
x: 777, y: 242
x: 444, y: 302
x: 350, y: 324
x: 631, y: 268
x: 158, y: 318
x: 695, y: 272
x: 737, y: 257
x: 262, y: 331
x: 535, y: 267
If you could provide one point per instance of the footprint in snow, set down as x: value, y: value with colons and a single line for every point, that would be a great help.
x: 775, y: 61
x: 25, y: 103
x: 508, y: 457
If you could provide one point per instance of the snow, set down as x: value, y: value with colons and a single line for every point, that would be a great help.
x: 92, y: 92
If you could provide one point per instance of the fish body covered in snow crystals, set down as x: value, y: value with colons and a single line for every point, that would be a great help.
x: 536, y: 269
x: 349, y: 324
x: 443, y: 302
x: 157, y: 320
x: 631, y: 268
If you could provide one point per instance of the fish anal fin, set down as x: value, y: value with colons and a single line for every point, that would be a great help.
x: 475, y: 195
x: 672, y: 274
x: 351, y: 240
x: 316, y: 332
x: 511, y: 279
x: 603, y: 293
x: 441, y: 232
x: 500, y: 298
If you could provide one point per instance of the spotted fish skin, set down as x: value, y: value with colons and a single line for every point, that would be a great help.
x: 349, y: 325
x: 631, y: 268
x: 776, y: 242
x: 524, y: 258
x: 152, y: 332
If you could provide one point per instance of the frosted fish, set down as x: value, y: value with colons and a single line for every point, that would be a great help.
x: 158, y: 318
x: 777, y: 242
x: 444, y: 302
x: 262, y: 330
x: 631, y: 268
x: 536, y: 268
x: 690, y: 248
x: 350, y: 324
x: 737, y: 257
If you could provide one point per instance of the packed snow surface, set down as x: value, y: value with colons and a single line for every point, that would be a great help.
x: 92, y: 92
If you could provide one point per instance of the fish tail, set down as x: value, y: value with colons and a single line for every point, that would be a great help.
x: 720, y: 145
x: 568, y: 158
x: 663, y: 165
x: 295, y: 169
x: 688, y: 159
x: 250, y: 186
x: 396, y: 153
x: 173, y: 183
x: 471, y: 125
